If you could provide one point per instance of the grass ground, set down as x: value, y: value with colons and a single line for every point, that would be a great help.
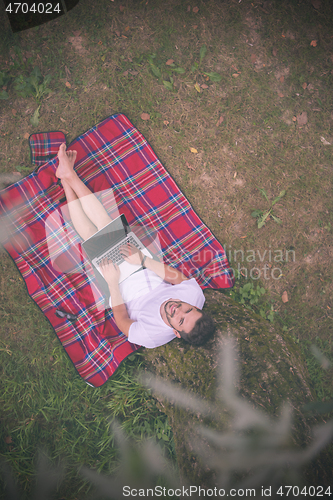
x: 250, y: 90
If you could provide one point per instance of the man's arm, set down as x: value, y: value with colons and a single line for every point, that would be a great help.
x: 134, y: 256
x: 120, y: 314
x: 168, y: 273
x: 111, y: 274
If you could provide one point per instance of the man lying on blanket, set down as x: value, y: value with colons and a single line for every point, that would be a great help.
x: 161, y: 303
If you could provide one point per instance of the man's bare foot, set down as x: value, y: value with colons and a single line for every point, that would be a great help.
x: 66, y: 162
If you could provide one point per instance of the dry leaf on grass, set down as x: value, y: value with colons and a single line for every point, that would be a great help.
x: 294, y: 118
x: 235, y: 75
x: 14, y: 112
x: 169, y: 62
x: 316, y: 4
x: 197, y: 87
x: 281, y: 78
x: 284, y: 297
x: 326, y: 143
x: 280, y: 95
x: 204, y: 86
x: 195, y: 10
x: 26, y: 135
x: 166, y: 122
x: 253, y: 58
x: 304, y: 85
x: 193, y: 150
x: 145, y: 116
x: 220, y: 120
x: 68, y: 85
x: 313, y: 43
x: 302, y: 118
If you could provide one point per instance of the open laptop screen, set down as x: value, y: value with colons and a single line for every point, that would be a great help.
x: 106, y: 237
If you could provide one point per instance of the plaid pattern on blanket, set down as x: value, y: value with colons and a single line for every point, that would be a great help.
x: 44, y: 146
x: 117, y: 163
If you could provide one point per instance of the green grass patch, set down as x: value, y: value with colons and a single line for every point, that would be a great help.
x: 48, y: 407
x: 243, y: 124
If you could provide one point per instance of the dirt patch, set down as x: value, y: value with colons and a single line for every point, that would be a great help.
x: 239, y: 182
x: 206, y: 179
x: 10, y: 178
x: 77, y: 43
x: 282, y: 73
x: 287, y: 117
x: 254, y: 24
x: 290, y: 35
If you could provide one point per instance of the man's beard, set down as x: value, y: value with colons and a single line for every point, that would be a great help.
x: 169, y: 316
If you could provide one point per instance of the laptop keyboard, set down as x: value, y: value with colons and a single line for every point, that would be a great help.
x: 114, y: 255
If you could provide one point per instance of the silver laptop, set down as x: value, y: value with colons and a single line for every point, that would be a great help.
x: 107, y: 242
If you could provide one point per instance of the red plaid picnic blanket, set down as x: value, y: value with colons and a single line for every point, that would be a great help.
x: 117, y: 164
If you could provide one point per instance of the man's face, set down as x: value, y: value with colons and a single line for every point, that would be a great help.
x: 180, y: 316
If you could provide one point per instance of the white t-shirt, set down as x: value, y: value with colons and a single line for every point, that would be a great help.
x: 143, y: 293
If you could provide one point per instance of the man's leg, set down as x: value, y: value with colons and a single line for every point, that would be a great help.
x: 93, y: 210
x: 83, y: 226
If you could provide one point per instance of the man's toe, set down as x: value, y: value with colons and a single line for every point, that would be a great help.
x: 62, y: 150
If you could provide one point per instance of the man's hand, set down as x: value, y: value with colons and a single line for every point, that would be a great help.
x: 111, y: 272
x: 131, y: 254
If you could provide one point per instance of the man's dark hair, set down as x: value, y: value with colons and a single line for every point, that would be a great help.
x: 202, y: 331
